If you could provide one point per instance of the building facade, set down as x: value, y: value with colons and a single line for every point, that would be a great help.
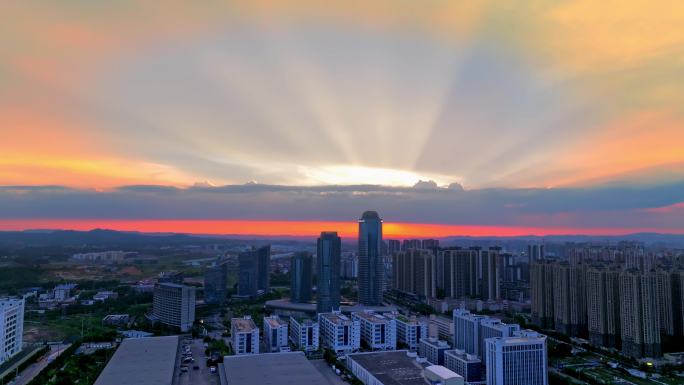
x: 466, y: 365
x: 339, y: 332
x: 432, y: 349
x: 301, y: 277
x: 328, y: 255
x: 174, y: 305
x: 276, y: 334
x: 216, y: 282
x: 304, y: 334
x: 409, y: 330
x: 371, y: 268
x: 517, y: 360
x: 414, y: 272
x: 11, y: 327
x: 244, y: 336
x: 377, y: 331
x: 254, y: 271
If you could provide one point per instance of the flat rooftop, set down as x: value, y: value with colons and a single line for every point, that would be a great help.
x: 391, y: 368
x: 142, y: 361
x: 372, y: 317
x: 275, y: 322
x: 462, y: 355
x: 291, y: 368
x: 336, y: 318
x: 243, y: 325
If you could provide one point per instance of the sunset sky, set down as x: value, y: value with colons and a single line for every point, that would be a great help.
x: 291, y: 117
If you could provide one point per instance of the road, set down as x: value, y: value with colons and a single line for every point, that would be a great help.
x: 30, y: 372
x: 201, y: 376
x: 327, y: 372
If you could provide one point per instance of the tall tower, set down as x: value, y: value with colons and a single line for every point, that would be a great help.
x: 328, y: 269
x: 370, y: 260
x: 300, y: 271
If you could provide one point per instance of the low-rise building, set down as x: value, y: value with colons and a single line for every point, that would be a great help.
x: 397, y: 367
x: 304, y: 334
x: 409, y: 330
x: 285, y: 368
x: 432, y: 349
x: 377, y: 331
x: 105, y: 295
x: 244, y: 336
x: 11, y: 327
x: 116, y: 319
x: 466, y: 365
x: 440, y: 375
x: 143, y: 361
x: 275, y: 334
x: 63, y: 292
x: 339, y: 332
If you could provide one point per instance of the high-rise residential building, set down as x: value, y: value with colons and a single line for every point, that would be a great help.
x: 11, y: 327
x: 430, y: 244
x: 414, y: 272
x: 541, y: 293
x: 393, y: 246
x: 408, y: 244
x: 275, y: 334
x: 663, y: 287
x: 304, y: 334
x: 517, y: 360
x: 493, y: 327
x: 371, y: 269
x: 459, y: 272
x: 339, y: 333
x: 254, y: 271
x: 639, y: 315
x: 569, y: 302
x: 535, y: 252
x: 244, y: 336
x: 432, y: 349
x: 603, y: 305
x: 467, y: 331
x: 409, y: 330
x: 301, y: 277
x: 488, y: 273
x: 328, y: 250
x: 466, y: 365
x: 174, y: 305
x: 377, y: 331
x: 349, y: 267
x: 215, y: 282
x: 678, y: 302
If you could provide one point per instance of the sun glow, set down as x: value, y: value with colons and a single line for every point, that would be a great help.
x: 355, y: 175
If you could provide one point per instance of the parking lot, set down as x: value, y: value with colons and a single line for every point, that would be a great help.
x: 201, y: 376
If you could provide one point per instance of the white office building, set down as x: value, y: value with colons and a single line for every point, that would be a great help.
x: 174, y: 305
x: 304, y: 334
x: 517, y: 360
x: 493, y: 327
x: 432, y: 349
x: 466, y: 365
x: 378, y: 331
x: 339, y: 332
x: 244, y: 336
x: 11, y: 327
x: 275, y: 334
x: 467, y: 331
x: 409, y: 330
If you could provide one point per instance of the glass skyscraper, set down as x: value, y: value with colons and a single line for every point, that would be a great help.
x: 371, y: 268
x: 328, y: 268
x: 301, y: 267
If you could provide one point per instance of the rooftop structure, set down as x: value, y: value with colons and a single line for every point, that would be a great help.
x: 142, y: 361
x: 397, y: 367
x: 290, y: 368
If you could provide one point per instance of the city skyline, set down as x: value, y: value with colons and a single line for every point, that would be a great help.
x: 533, y: 118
